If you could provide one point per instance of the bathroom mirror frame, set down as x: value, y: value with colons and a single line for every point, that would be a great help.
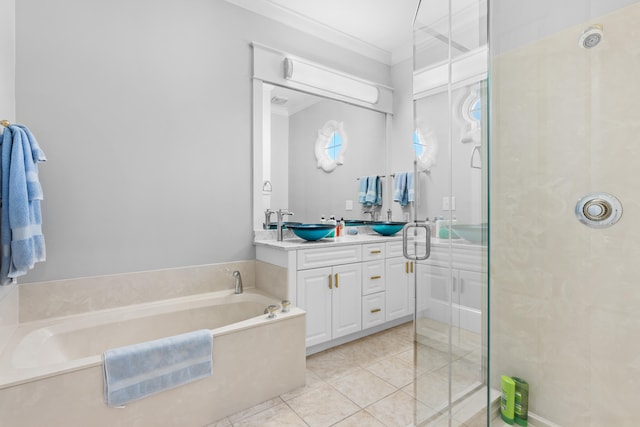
x: 269, y: 69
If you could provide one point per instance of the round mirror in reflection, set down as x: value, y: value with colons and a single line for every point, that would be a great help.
x: 331, y: 145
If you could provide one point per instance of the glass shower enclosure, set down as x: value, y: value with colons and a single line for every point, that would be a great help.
x: 526, y: 119
x: 451, y: 170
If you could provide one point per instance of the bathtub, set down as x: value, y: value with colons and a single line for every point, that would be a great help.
x: 51, y: 370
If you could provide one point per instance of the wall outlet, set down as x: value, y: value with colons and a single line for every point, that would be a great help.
x: 449, y: 203
x: 348, y: 206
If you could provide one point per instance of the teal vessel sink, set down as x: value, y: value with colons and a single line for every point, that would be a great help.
x: 311, y: 232
x: 387, y: 228
x: 285, y: 225
x: 474, y: 233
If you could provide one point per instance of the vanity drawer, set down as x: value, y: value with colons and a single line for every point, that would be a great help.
x: 394, y: 249
x: 372, y: 277
x: 373, y: 251
x: 373, y: 310
x: 326, y: 257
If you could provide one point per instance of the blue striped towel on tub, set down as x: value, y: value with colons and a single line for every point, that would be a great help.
x: 136, y: 371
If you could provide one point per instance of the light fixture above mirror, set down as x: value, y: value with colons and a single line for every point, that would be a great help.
x: 319, y: 77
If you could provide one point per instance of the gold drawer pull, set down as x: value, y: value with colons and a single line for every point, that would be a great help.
x: 330, y: 282
x: 375, y: 310
x: 376, y: 277
x: 336, y: 280
x: 376, y: 251
x: 412, y: 266
x: 406, y: 267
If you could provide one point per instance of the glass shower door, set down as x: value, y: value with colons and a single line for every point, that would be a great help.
x: 450, y: 145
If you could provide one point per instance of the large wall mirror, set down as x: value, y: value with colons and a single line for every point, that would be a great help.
x: 287, y: 120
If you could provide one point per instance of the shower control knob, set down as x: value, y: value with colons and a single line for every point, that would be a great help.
x: 598, y: 210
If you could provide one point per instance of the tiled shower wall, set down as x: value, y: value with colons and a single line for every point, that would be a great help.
x: 565, y: 298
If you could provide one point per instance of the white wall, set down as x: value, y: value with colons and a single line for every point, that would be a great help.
x: 314, y: 192
x: 400, y: 156
x: 7, y: 65
x: 144, y: 110
x: 280, y: 162
x: 8, y: 294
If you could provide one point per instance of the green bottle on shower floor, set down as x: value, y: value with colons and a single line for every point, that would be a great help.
x: 521, y: 407
x: 508, y: 399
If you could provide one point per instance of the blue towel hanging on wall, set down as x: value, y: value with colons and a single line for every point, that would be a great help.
x: 403, y: 189
x: 20, y: 221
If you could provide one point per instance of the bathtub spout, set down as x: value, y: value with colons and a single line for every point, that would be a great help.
x: 238, y: 280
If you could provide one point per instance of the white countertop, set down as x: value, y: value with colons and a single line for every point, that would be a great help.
x: 291, y: 242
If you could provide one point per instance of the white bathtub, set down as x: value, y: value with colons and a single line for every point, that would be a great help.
x: 51, y: 370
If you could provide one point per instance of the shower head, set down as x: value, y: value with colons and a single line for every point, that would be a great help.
x: 591, y: 37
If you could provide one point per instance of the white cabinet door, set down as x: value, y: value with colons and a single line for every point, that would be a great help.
x: 398, y: 287
x: 346, y: 299
x: 436, y: 285
x: 314, y: 296
x: 470, y: 300
x: 432, y: 293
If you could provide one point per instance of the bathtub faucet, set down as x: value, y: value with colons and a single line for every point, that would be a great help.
x: 238, y: 280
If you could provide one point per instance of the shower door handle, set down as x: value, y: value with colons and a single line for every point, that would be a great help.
x: 405, y: 244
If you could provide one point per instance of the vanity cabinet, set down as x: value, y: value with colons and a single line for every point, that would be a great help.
x: 462, y: 282
x: 329, y: 289
x: 331, y: 296
x: 399, y: 282
x: 351, y: 288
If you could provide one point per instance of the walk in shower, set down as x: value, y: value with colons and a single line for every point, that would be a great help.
x: 536, y: 125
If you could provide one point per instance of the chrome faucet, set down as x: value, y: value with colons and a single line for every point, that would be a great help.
x: 370, y: 211
x: 267, y: 219
x: 389, y: 215
x: 279, y: 214
x: 238, y: 281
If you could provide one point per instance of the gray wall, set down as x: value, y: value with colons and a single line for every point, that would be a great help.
x: 279, y: 161
x: 144, y: 109
x: 314, y: 192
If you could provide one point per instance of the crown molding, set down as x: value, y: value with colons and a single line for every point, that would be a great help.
x: 310, y: 26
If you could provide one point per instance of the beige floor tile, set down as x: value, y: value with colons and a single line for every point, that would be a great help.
x: 323, y: 406
x: 393, y: 370
x: 277, y: 416
x: 359, y: 352
x: 239, y: 416
x: 330, y: 363
x: 362, y: 387
x: 312, y: 381
x: 432, y: 389
x: 360, y: 419
x: 389, y: 344
x: 444, y: 420
x: 400, y: 410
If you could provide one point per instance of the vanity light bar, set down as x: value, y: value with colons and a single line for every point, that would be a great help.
x: 312, y: 75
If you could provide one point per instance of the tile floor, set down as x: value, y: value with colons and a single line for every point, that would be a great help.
x: 381, y: 380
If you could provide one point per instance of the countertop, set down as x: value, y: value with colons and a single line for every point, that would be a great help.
x: 291, y: 242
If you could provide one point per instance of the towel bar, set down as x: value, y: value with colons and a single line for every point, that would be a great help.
x: 379, y: 176
x: 5, y: 123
